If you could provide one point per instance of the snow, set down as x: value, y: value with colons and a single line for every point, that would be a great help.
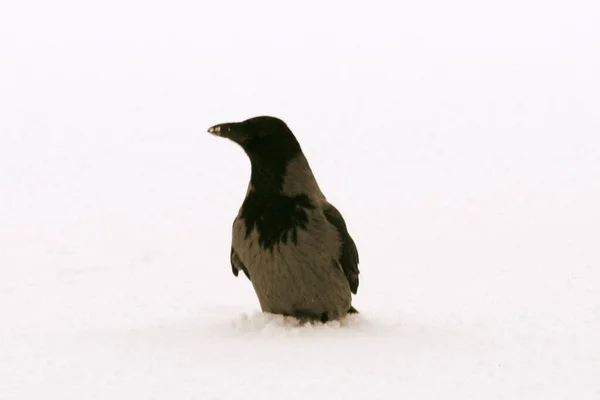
x: 461, y: 145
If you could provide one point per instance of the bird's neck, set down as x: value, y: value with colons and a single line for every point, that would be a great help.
x: 288, y: 178
x: 267, y: 177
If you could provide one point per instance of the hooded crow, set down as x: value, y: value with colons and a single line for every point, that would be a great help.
x: 289, y: 241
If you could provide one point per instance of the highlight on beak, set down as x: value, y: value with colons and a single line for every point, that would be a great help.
x: 215, y: 130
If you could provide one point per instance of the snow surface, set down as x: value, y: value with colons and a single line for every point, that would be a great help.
x: 460, y: 141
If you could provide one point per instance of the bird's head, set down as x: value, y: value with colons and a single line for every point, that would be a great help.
x: 262, y: 138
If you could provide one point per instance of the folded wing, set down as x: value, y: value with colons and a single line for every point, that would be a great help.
x: 349, y: 254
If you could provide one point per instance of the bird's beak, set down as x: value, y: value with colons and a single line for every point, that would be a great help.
x: 220, y: 130
x: 231, y: 130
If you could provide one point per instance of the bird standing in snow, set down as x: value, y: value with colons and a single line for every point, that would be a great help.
x: 287, y: 239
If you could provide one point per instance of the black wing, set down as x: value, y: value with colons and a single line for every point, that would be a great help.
x: 237, y: 265
x: 349, y: 253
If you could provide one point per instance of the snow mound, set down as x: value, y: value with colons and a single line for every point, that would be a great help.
x: 259, y: 322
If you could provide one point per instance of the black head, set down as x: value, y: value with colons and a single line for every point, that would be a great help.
x: 265, y: 138
x: 270, y: 145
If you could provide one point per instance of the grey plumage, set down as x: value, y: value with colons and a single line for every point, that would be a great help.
x: 290, y: 242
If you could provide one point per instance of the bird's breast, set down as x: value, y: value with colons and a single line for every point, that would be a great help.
x: 275, y: 219
x: 285, y: 234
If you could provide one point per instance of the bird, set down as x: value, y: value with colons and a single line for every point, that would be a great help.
x: 287, y: 239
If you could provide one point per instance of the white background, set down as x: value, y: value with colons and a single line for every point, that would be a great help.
x: 461, y: 141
